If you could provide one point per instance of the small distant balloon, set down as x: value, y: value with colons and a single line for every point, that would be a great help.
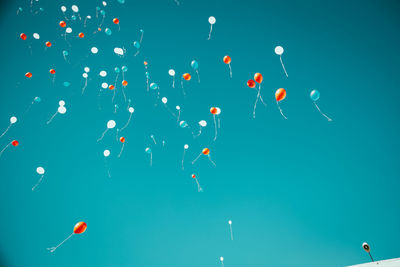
x: 171, y: 72
x: 103, y: 73
x: 106, y: 153
x: 94, y: 50
x: 36, y: 36
x: 23, y: 36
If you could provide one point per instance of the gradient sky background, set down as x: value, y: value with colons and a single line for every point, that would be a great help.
x: 300, y: 192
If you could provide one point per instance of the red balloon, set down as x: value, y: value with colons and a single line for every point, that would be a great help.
x: 28, y: 74
x: 124, y: 83
x: 213, y: 110
x: 23, y: 36
x: 116, y: 21
x: 227, y: 59
x: 111, y: 87
x: 280, y: 94
x: 122, y: 139
x: 193, y: 176
x: 206, y: 151
x: 186, y: 76
x: 63, y: 24
x: 52, y: 71
x: 48, y: 44
x: 81, y: 35
x: 251, y: 83
x: 80, y: 227
x: 258, y: 77
x: 15, y: 143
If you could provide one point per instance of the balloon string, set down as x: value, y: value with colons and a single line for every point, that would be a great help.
x: 209, y: 35
x: 151, y: 159
x: 122, y: 149
x: 183, y: 89
x: 137, y: 53
x: 28, y: 108
x: 219, y: 123
x: 215, y: 129
x: 199, y: 132
x: 102, y: 21
x: 154, y: 140
x: 40, y: 180
x: 173, y: 82
x: 52, y: 249
x: 106, y: 166
x: 222, y: 263
x: 116, y: 79
x: 5, y: 130
x: 230, y: 226
x: 1, y: 152
x: 283, y: 66
x: 329, y: 119
x: 199, y: 189
x: 123, y: 93
x: 179, y: 115
x: 209, y: 157
x: 183, y: 158
x: 169, y: 110
x: 84, y: 87
x: 112, y: 99
x: 230, y: 70
x: 141, y: 37
x: 102, y: 136
x: 52, y: 117
x: 126, y: 125
x: 84, y: 23
x: 119, y: 27
x: 198, y: 76
x: 196, y: 158
x: 280, y: 110
x: 177, y: 2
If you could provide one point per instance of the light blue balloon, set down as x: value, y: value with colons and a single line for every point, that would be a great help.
x: 136, y: 44
x: 142, y: 31
x: 194, y: 64
x: 314, y: 95
x: 153, y: 86
x: 20, y: 9
x: 37, y: 99
x: 117, y: 70
x: 121, y: 1
x: 65, y: 53
x: 41, y: 9
x: 97, y: 8
x: 73, y: 17
x: 124, y: 68
x: 102, y: 12
x: 66, y: 84
x: 183, y: 124
x: 108, y: 31
x: 147, y: 75
x: 148, y: 150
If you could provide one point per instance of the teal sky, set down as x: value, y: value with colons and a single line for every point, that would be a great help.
x: 300, y: 192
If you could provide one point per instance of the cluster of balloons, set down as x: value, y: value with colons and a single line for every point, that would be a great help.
x: 216, y: 111
x: 258, y: 78
x: 61, y: 109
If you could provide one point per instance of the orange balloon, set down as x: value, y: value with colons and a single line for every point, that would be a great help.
x: 48, y: 44
x: 227, y: 59
x: 187, y: 76
x: 251, y: 83
x: 15, y: 143
x: 81, y: 35
x: 213, y: 110
x: 122, y: 139
x: 193, y: 176
x: 63, y: 24
x: 99, y: 29
x: 258, y: 77
x: 80, y: 227
x: 28, y: 74
x: 145, y: 63
x: 206, y: 151
x: 52, y: 71
x: 124, y: 83
x: 23, y: 36
x: 280, y: 94
x: 111, y: 87
x: 116, y: 21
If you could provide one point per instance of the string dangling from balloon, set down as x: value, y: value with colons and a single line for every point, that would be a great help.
x: 35, y: 100
x: 199, y: 189
x: 227, y: 60
x: 122, y: 140
x: 314, y: 95
x: 222, y: 261
x: 164, y: 100
x: 40, y: 171
x: 53, y: 73
x: 279, y: 51
x: 250, y: 83
x: 195, y: 65
x: 110, y: 125
x: 178, y: 108
x: 187, y: 77
x: 106, y: 154
x: 202, y: 124
x: 13, y: 120
x: 85, y: 75
x: 230, y: 227
x: 206, y: 152
x: 185, y: 147
x: 79, y: 228
x: 214, y: 111
x: 154, y: 140
x: 212, y: 21
x: 131, y: 110
x: 13, y: 142
x: 148, y: 151
x: 280, y: 94
x: 61, y: 109
x: 171, y: 73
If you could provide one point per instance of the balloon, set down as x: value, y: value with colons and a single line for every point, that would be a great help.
x: 280, y: 94
x: 186, y: 146
x: 124, y: 83
x: 122, y: 139
x: 103, y: 73
x: 186, y: 76
x: 314, y: 95
x: 48, y: 44
x: 153, y: 86
x: 15, y: 143
x: 104, y: 85
x: 193, y: 176
x: 36, y: 36
x: 218, y: 111
x: 205, y: 151
x: 227, y: 59
x: 75, y: 8
x: 131, y: 109
x: 117, y: 70
x: 279, y: 50
x: 124, y: 68
x: 121, y: 1
x: 194, y: 65
x: 61, y: 103
x: 94, y: 50
x: 68, y: 30
x: 111, y: 124
x: 221, y: 258
x: 62, y: 110
x: 73, y: 17
x: 147, y: 75
x: 171, y: 72
x: 111, y: 87
x: 183, y: 124
x: 258, y: 77
x: 52, y: 71
x: 65, y: 53
x: 106, y: 153
x: 230, y: 222
x: 23, y: 36
x: 13, y: 120
x: 212, y: 20
x: 164, y: 100
x: 37, y: 99
x: 67, y: 84
x: 213, y: 110
x: 102, y: 12
x: 84, y: 75
x: 178, y: 108
x: 80, y: 227
x: 63, y: 8
x: 28, y: 74
x: 251, y: 83
x: 104, y: 3
x: 63, y: 24
x: 116, y: 21
x: 119, y: 51
x: 148, y: 150
x: 108, y: 31
x: 136, y: 44
x: 86, y: 69
x: 203, y: 123
x: 40, y: 170
x: 81, y: 35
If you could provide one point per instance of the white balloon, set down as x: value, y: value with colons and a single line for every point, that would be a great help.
x: 178, y: 108
x: 61, y: 103
x: 171, y: 72
x: 103, y: 73
x: 104, y: 3
x: 84, y: 75
x: 86, y: 69
x: 221, y: 258
x: 111, y: 124
x: 212, y: 20
x: 68, y: 30
x: 40, y: 170
x: 36, y: 36
x: 218, y: 110
x: 203, y: 123
x: 62, y: 110
x: 106, y: 153
x: 63, y: 8
x: 230, y: 222
x: 279, y: 50
x: 94, y: 50
x: 75, y: 8
x: 104, y: 85
x: 88, y: 17
x: 186, y: 146
x: 13, y: 120
x: 131, y: 109
x: 119, y: 51
x: 164, y: 100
